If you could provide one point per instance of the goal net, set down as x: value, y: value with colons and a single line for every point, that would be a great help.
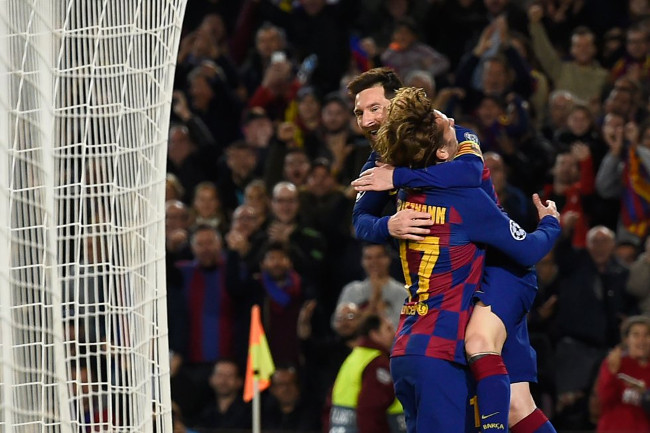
x: 85, y: 91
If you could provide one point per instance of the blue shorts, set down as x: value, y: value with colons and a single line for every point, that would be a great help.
x: 437, y: 395
x: 510, y: 296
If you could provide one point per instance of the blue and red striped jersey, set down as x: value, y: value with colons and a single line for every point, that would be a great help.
x: 210, y: 311
x: 443, y: 271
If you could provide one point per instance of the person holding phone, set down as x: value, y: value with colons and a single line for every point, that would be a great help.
x: 623, y: 384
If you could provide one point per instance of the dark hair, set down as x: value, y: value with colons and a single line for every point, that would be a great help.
x: 409, y: 24
x: 337, y: 98
x: 321, y: 161
x: 231, y: 361
x: 276, y: 246
x: 370, y: 323
x: 384, y: 77
x: 409, y: 136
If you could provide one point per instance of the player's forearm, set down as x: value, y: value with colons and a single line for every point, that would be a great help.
x: 458, y: 173
x: 370, y: 228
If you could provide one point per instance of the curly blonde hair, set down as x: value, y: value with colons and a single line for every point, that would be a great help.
x: 409, y: 135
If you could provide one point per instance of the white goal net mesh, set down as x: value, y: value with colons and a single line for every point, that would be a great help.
x: 85, y: 91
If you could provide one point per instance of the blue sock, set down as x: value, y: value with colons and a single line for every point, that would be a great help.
x: 492, y: 391
x: 536, y: 422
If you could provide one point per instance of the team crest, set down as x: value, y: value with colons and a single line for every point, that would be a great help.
x: 516, y: 231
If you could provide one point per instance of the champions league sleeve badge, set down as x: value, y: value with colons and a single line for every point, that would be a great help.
x: 516, y: 231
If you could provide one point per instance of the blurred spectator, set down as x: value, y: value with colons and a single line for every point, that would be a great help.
x: 500, y: 68
x: 278, y: 88
x: 560, y: 103
x: 638, y: 285
x: 321, y: 28
x: 582, y: 75
x: 177, y: 237
x: 635, y: 62
x: 573, y: 183
x: 226, y: 410
x: 452, y: 27
x: 379, y: 293
x: 206, y: 208
x: 591, y: 303
x: 304, y: 114
x: 363, y: 397
x: 257, y: 129
x: 626, y: 252
x: 240, y: 169
x: 623, y: 380
x: 244, y: 241
x: 580, y: 127
x: 337, y: 141
x: 268, y: 40
x: 423, y: 80
x: 215, y: 102
x: 638, y: 10
x: 560, y: 18
x: 210, y: 314
x: 511, y: 198
x: 407, y: 53
x: 543, y: 332
x: 284, y: 291
x: 296, y: 167
x: 257, y: 196
x: 323, y: 354
x: 379, y: 18
x: 613, y: 47
x: 322, y: 197
x: 185, y: 161
x: 501, y: 123
x: 246, y: 237
x: 288, y: 409
x: 173, y: 188
x: 306, y: 245
x: 625, y: 173
x: 540, y: 83
x: 199, y: 132
x: 621, y: 101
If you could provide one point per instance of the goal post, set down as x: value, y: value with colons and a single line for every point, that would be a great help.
x: 85, y: 93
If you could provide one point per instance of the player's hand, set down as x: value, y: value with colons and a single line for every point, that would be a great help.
x: 543, y: 210
x: 410, y: 224
x: 378, y: 178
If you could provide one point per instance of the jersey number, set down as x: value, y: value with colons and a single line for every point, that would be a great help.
x: 430, y: 251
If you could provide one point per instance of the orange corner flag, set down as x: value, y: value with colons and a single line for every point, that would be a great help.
x: 260, y: 364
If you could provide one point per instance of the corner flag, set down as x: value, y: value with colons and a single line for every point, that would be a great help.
x: 260, y: 364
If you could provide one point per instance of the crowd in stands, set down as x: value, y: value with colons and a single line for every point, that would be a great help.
x: 263, y: 146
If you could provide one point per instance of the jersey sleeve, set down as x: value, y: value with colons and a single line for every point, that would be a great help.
x: 493, y: 227
x: 368, y: 223
x: 465, y: 170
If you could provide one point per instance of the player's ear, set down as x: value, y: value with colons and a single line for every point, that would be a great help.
x: 442, y: 154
